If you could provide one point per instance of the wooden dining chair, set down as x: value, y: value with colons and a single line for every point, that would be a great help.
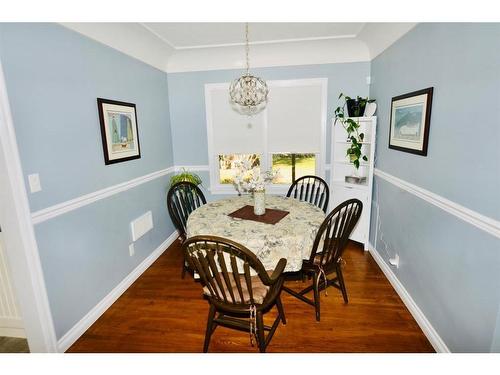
x: 237, y: 299
x: 312, y: 189
x: 326, y: 255
x: 183, y: 198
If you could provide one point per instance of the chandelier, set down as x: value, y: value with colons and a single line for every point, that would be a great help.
x: 248, y: 93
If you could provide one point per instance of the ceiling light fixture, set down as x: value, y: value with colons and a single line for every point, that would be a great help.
x: 248, y: 93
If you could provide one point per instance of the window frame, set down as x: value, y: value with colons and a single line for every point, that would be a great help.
x: 266, y: 156
x: 316, y: 169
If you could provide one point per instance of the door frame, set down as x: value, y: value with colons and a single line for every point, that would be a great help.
x: 19, y: 240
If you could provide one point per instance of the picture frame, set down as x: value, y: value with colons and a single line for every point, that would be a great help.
x: 410, y: 121
x: 119, y: 131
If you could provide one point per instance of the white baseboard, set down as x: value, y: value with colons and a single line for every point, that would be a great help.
x: 429, y: 331
x: 12, y: 332
x: 79, y: 328
x: 12, y: 328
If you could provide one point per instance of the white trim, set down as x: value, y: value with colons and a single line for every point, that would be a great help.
x: 321, y: 166
x: 12, y: 327
x: 436, y: 341
x: 480, y: 221
x: 20, y: 245
x: 133, y: 38
x: 324, y: 106
x: 161, y: 37
x: 259, y: 42
x: 12, y: 332
x: 73, y: 204
x: 79, y: 328
x: 210, y: 131
x: 191, y: 168
x: 84, y: 200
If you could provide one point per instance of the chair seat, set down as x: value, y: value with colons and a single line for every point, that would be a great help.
x: 258, y: 287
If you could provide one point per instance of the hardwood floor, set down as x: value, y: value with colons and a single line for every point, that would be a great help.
x: 161, y: 312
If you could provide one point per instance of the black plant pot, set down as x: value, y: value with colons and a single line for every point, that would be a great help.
x: 355, y: 108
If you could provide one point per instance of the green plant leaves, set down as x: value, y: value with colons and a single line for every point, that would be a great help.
x: 185, y: 176
x: 352, y: 128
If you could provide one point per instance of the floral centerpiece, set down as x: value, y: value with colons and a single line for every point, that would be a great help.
x: 252, y: 180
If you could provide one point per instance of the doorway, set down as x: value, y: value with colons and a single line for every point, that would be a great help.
x: 12, y: 334
x: 19, y: 246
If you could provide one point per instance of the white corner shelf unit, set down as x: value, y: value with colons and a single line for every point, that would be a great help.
x: 340, y: 190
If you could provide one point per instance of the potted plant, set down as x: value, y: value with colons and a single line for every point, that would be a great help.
x: 356, y: 107
x: 352, y: 127
x: 185, y: 176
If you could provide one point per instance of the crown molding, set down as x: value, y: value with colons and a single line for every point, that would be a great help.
x: 308, y: 52
x: 132, y: 39
x: 138, y: 40
x: 291, y: 40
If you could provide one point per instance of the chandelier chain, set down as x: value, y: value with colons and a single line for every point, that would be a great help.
x: 247, y: 48
x: 248, y: 93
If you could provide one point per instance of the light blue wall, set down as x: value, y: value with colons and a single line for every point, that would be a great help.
x: 85, y: 252
x: 449, y: 267
x: 461, y: 62
x: 187, y: 100
x: 54, y: 76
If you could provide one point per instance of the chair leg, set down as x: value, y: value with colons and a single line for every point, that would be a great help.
x: 281, y: 311
x: 184, y: 268
x: 316, y: 296
x: 341, y: 283
x: 208, y: 333
x: 260, y: 331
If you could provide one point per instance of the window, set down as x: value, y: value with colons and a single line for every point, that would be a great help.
x: 226, y: 165
x: 293, y: 166
x: 289, y: 134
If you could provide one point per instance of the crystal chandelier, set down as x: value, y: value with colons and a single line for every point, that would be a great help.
x: 248, y: 93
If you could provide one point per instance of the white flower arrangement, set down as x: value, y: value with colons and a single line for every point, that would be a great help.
x: 248, y: 179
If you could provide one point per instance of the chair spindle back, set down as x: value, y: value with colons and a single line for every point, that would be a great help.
x: 311, y: 189
x: 183, y: 198
x: 216, y: 261
x: 335, y: 231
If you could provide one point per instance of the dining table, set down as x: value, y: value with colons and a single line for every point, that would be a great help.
x: 292, y: 237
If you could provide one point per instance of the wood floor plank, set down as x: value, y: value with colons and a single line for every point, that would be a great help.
x: 161, y: 312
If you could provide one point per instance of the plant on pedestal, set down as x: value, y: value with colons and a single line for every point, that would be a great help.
x: 355, y: 108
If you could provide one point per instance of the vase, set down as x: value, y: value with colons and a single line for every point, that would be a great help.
x: 259, y: 202
x: 355, y: 108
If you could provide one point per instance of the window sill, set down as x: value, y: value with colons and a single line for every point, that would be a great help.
x: 223, y: 190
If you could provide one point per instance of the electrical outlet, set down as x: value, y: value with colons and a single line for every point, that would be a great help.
x: 395, y: 261
x: 131, y: 249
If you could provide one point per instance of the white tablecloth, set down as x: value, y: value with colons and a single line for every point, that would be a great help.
x: 291, y: 238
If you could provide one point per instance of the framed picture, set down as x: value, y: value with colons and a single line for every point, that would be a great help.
x: 410, y: 121
x: 120, y: 138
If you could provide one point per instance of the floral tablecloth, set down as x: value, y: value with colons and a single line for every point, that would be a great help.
x: 291, y: 238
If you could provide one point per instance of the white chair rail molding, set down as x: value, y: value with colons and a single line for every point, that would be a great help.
x: 248, y: 186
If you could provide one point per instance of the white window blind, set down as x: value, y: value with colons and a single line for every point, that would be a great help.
x: 294, y: 118
x: 294, y: 121
x: 233, y: 133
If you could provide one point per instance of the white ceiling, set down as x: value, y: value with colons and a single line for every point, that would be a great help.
x: 209, y: 34
x: 181, y: 47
